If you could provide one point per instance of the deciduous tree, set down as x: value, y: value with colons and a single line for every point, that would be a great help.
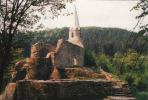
x: 142, y: 6
x: 20, y: 15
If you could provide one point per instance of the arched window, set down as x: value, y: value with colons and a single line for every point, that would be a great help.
x: 80, y: 34
x: 72, y: 34
x: 75, y: 62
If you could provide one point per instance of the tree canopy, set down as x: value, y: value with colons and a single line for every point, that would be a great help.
x: 19, y: 15
x: 142, y: 6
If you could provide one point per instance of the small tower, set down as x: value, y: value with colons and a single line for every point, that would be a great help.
x: 74, y: 31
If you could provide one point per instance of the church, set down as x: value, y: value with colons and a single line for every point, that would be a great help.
x: 67, y: 53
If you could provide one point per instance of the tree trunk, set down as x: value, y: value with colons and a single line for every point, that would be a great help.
x: 5, y: 55
x: 2, y: 66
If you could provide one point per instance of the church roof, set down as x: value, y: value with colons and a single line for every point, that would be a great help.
x: 76, y: 19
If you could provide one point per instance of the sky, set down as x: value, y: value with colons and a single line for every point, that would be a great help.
x: 100, y: 13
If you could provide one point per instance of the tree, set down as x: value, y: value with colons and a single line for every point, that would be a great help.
x: 89, y: 58
x: 21, y: 15
x: 142, y: 6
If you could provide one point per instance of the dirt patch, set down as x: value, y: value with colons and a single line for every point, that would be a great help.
x: 84, y: 73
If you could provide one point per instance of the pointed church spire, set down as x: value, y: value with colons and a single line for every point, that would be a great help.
x: 76, y: 23
x: 74, y: 31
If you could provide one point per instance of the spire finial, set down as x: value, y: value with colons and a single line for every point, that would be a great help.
x: 76, y: 23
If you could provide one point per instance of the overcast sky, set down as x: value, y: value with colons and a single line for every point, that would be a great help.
x: 100, y: 13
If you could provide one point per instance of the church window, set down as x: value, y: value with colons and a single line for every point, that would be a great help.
x: 75, y: 62
x: 72, y: 34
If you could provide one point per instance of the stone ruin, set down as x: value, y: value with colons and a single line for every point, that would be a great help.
x: 40, y: 77
x: 46, y: 59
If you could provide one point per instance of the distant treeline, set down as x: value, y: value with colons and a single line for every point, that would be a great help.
x: 99, y: 40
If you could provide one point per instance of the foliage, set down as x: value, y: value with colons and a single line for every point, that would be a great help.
x: 142, y: 6
x: 105, y: 62
x: 89, y: 58
x: 142, y: 96
x: 99, y: 40
x: 20, y: 15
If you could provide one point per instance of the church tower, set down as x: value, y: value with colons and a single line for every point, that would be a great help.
x: 74, y: 31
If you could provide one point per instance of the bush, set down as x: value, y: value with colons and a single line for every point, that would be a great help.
x: 105, y: 62
x: 143, y: 84
x: 89, y: 58
x: 142, y: 96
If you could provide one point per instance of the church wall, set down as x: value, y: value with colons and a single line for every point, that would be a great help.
x: 69, y: 55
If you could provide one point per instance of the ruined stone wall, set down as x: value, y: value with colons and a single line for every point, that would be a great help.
x: 40, y: 50
x: 69, y: 55
x: 66, y: 54
x: 50, y: 90
x: 39, y: 69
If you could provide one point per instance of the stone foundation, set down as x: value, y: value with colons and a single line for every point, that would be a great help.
x: 66, y: 90
x: 47, y: 90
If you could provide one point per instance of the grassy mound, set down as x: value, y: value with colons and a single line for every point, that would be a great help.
x: 85, y: 73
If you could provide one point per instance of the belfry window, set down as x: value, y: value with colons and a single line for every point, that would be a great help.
x: 72, y: 34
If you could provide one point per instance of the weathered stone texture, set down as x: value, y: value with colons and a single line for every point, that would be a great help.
x: 40, y: 50
x: 9, y: 93
x: 47, y: 90
x: 65, y: 54
x: 55, y: 75
x: 69, y: 55
x: 39, y: 68
x: 19, y: 72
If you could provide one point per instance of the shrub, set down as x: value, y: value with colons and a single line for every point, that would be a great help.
x: 89, y: 58
x: 142, y: 96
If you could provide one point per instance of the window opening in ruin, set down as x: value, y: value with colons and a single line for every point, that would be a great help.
x: 72, y: 35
